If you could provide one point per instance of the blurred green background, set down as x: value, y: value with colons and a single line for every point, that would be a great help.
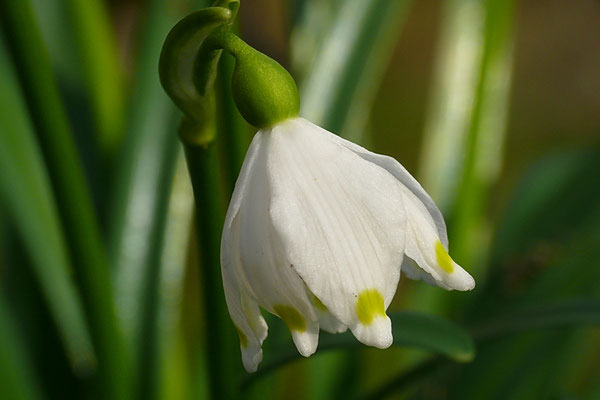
x: 105, y: 287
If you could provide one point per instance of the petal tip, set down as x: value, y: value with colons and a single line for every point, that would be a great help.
x: 377, y: 334
x: 251, y: 357
x: 306, y: 342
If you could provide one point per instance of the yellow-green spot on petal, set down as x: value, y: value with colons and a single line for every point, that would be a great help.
x: 292, y: 318
x: 318, y: 303
x: 369, y: 305
x: 243, y: 337
x: 443, y: 258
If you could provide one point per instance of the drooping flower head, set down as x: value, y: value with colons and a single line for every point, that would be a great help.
x: 319, y: 229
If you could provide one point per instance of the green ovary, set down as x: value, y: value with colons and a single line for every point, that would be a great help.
x: 292, y: 318
x: 369, y: 305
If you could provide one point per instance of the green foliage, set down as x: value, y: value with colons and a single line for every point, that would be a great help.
x: 25, y: 192
x: 89, y: 159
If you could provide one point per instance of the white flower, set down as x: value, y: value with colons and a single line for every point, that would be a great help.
x: 316, y: 233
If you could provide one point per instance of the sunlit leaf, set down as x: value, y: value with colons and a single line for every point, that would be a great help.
x: 349, y: 64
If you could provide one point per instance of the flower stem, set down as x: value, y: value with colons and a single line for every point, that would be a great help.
x: 220, y: 336
x: 233, y: 130
x: 73, y: 197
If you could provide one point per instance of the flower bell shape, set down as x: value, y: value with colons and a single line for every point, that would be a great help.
x: 317, y: 232
x: 319, y: 229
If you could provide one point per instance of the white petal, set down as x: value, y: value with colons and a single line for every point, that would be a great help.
x: 379, y: 333
x: 306, y: 340
x: 249, y: 322
x: 327, y: 321
x: 399, y: 172
x: 423, y: 245
x: 425, y: 227
x: 265, y: 269
x: 340, y: 219
x: 413, y: 271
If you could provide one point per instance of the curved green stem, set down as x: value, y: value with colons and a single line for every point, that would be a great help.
x: 178, y: 68
x: 187, y: 72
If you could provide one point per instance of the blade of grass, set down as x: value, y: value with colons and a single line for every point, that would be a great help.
x: 424, y: 331
x: 138, y: 207
x: 453, y: 90
x: 463, y: 139
x: 26, y: 194
x: 72, y: 195
x: 568, y: 312
x: 17, y: 379
x: 485, y: 137
x: 98, y: 54
x: 350, y: 62
x: 175, y: 372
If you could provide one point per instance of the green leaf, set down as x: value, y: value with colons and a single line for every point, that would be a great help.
x: 26, y: 193
x: 516, y: 343
x: 73, y: 199
x: 16, y: 372
x: 139, y: 203
x: 464, y: 134
x: 570, y: 312
x: 547, y: 206
x: 97, y: 51
x: 410, y: 329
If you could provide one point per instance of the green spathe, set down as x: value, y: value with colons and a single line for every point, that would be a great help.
x: 263, y: 91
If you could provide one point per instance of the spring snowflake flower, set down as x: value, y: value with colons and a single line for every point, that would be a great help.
x: 317, y: 232
x: 318, y: 228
